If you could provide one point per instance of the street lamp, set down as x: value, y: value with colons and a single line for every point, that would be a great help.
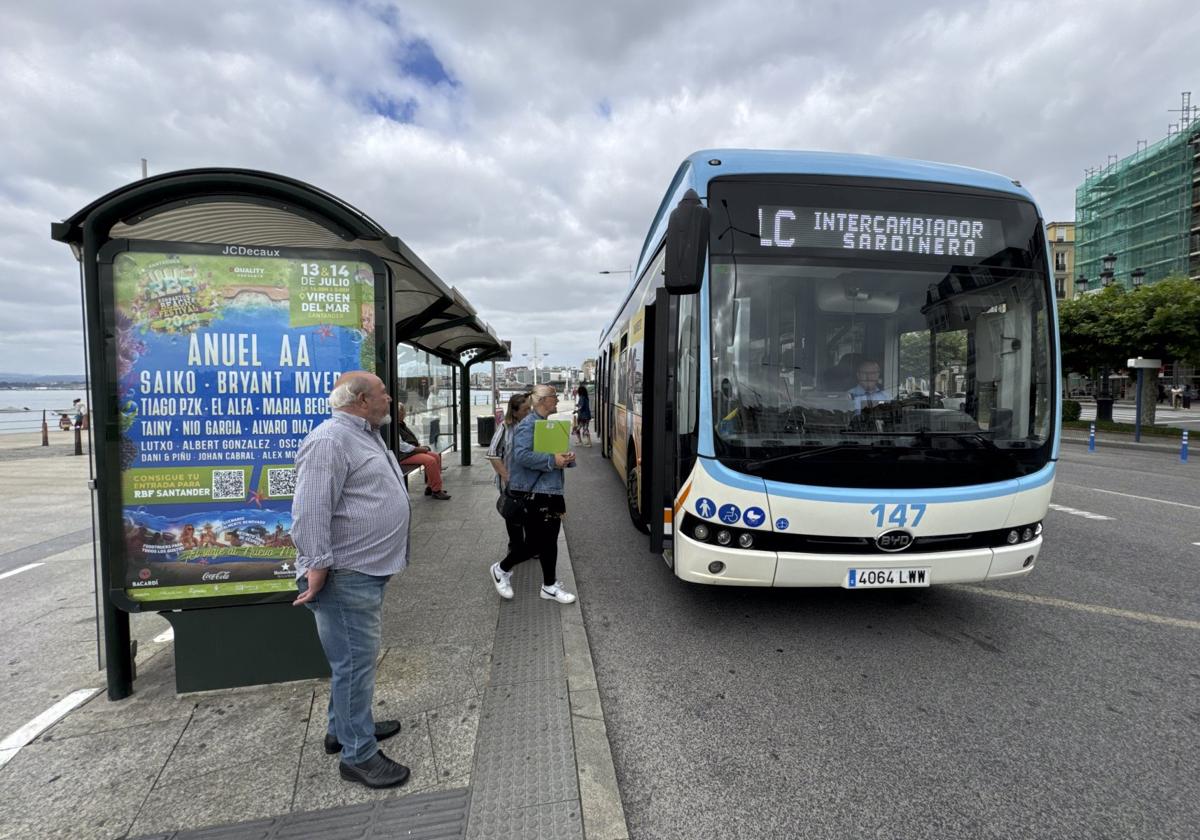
x: 533, y: 362
x: 628, y: 271
x: 1108, y: 261
x: 1139, y: 277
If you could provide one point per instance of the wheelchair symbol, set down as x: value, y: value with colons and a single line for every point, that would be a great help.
x: 730, y: 514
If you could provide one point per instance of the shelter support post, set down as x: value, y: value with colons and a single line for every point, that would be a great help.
x: 118, y: 655
x: 465, y: 411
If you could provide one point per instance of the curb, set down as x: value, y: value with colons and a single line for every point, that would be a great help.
x: 1109, y: 443
x: 599, y: 795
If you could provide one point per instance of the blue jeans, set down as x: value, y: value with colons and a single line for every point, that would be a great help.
x: 349, y: 610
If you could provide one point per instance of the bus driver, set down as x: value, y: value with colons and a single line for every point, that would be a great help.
x: 869, y: 390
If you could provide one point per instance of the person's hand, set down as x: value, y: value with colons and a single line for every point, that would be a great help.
x: 564, y: 459
x: 422, y: 449
x: 316, y: 580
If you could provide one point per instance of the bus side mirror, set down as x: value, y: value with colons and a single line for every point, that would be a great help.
x: 687, y: 245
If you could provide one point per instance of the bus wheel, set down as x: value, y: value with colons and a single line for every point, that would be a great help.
x: 631, y: 496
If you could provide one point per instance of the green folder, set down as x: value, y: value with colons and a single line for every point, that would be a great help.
x: 551, y: 436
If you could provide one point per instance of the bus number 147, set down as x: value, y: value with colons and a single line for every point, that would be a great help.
x: 898, y: 515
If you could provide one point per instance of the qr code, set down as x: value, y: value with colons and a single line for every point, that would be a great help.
x: 281, y: 482
x: 229, y: 484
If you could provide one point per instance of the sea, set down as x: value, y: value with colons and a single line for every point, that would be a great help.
x: 21, y: 409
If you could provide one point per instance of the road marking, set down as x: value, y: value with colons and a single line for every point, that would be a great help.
x: 1096, y: 609
x: 167, y: 635
x: 11, y: 745
x: 1131, y: 496
x: 1074, y: 512
x: 19, y: 570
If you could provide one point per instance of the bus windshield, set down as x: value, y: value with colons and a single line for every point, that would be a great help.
x: 856, y: 330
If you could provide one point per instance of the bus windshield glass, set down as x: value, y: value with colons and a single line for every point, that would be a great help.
x: 857, y: 329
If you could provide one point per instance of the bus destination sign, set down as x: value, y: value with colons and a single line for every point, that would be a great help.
x: 868, y: 230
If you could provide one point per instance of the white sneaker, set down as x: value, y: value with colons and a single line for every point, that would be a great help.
x: 502, y: 581
x: 557, y: 593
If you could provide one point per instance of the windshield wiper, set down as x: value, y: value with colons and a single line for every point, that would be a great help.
x: 803, y: 453
x: 987, y: 442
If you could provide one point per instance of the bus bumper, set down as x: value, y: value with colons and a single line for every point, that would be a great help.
x: 769, y: 568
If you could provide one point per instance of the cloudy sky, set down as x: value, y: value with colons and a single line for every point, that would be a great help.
x: 521, y: 148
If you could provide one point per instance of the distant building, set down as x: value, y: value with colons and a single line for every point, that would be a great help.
x: 1061, y: 236
x: 1144, y: 210
x: 519, y: 374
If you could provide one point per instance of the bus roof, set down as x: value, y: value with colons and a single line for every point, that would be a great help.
x: 697, y: 169
x: 755, y: 161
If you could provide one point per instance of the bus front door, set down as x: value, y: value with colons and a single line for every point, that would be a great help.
x: 659, y: 458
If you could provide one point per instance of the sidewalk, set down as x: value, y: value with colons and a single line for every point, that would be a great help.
x: 503, y: 727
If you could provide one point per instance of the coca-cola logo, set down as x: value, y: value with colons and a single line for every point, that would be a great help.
x: 215, y: 576
x: 144, y: 574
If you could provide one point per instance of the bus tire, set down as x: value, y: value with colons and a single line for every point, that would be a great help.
x: 631, y: 495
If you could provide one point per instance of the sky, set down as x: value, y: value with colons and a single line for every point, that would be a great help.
x: 521, y: 148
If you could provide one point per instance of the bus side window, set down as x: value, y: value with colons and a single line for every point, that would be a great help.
x: 635, y: 374
x: 621, y: 397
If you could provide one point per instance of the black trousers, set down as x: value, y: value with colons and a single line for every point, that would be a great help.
x: 541, y: 525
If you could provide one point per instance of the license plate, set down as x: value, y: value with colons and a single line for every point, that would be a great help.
x: 885, y: 578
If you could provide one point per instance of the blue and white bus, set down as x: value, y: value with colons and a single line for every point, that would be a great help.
x: 836, y: 370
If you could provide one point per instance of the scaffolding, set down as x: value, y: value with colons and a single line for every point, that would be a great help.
x: 1144, y: 209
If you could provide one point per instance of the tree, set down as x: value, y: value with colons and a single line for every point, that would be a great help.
x: 1090, y: 335
x: 1105, y: 329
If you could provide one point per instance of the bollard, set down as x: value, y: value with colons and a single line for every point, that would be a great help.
x: 45, y: 430
x: 78, y: 441
x: 1092, y: 439
x: 1183, y: 447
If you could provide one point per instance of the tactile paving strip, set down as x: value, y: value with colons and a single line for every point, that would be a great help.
x: 423, y: 816
x: 524, y: 785
x: 529, y: 634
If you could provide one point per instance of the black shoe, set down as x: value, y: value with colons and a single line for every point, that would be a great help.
x: 428, y: 490
x: 384, y: 729
x: 440, y: 494
x: 378, y: 771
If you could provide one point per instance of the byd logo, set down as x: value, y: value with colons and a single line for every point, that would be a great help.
x: 895, y: 540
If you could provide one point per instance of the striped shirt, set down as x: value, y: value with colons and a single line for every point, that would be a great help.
x: 499, y: 450
x: 350, y: 510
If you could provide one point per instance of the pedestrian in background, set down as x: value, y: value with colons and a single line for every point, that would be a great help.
x: 350, y: 516
x: 420, y: 456
x: 536, y: 478
x: 583, y: 416
x: 498, y: 454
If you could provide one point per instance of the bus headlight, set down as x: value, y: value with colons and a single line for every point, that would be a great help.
x: 745, y: 540
x: 701, y: 532
x: 1037, y: 530
x: 1013, y: 538
x: 724, y: 537
x: 1027, y: 535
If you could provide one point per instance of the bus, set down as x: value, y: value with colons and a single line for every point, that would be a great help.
x: 836, y: 370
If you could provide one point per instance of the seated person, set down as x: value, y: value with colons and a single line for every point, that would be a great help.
x: 420, y: 456
x: 869, y: 390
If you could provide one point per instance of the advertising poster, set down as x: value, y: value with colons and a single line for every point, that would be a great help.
x: 225, y: 360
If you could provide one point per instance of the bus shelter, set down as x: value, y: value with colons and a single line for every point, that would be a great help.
x: 220, y: 305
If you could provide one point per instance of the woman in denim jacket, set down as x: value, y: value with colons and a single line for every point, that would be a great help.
x: 538, y: 477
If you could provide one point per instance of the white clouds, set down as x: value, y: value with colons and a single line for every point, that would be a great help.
x: 513, y: 181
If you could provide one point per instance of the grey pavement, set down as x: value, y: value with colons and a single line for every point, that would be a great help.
x: 502, y: 721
